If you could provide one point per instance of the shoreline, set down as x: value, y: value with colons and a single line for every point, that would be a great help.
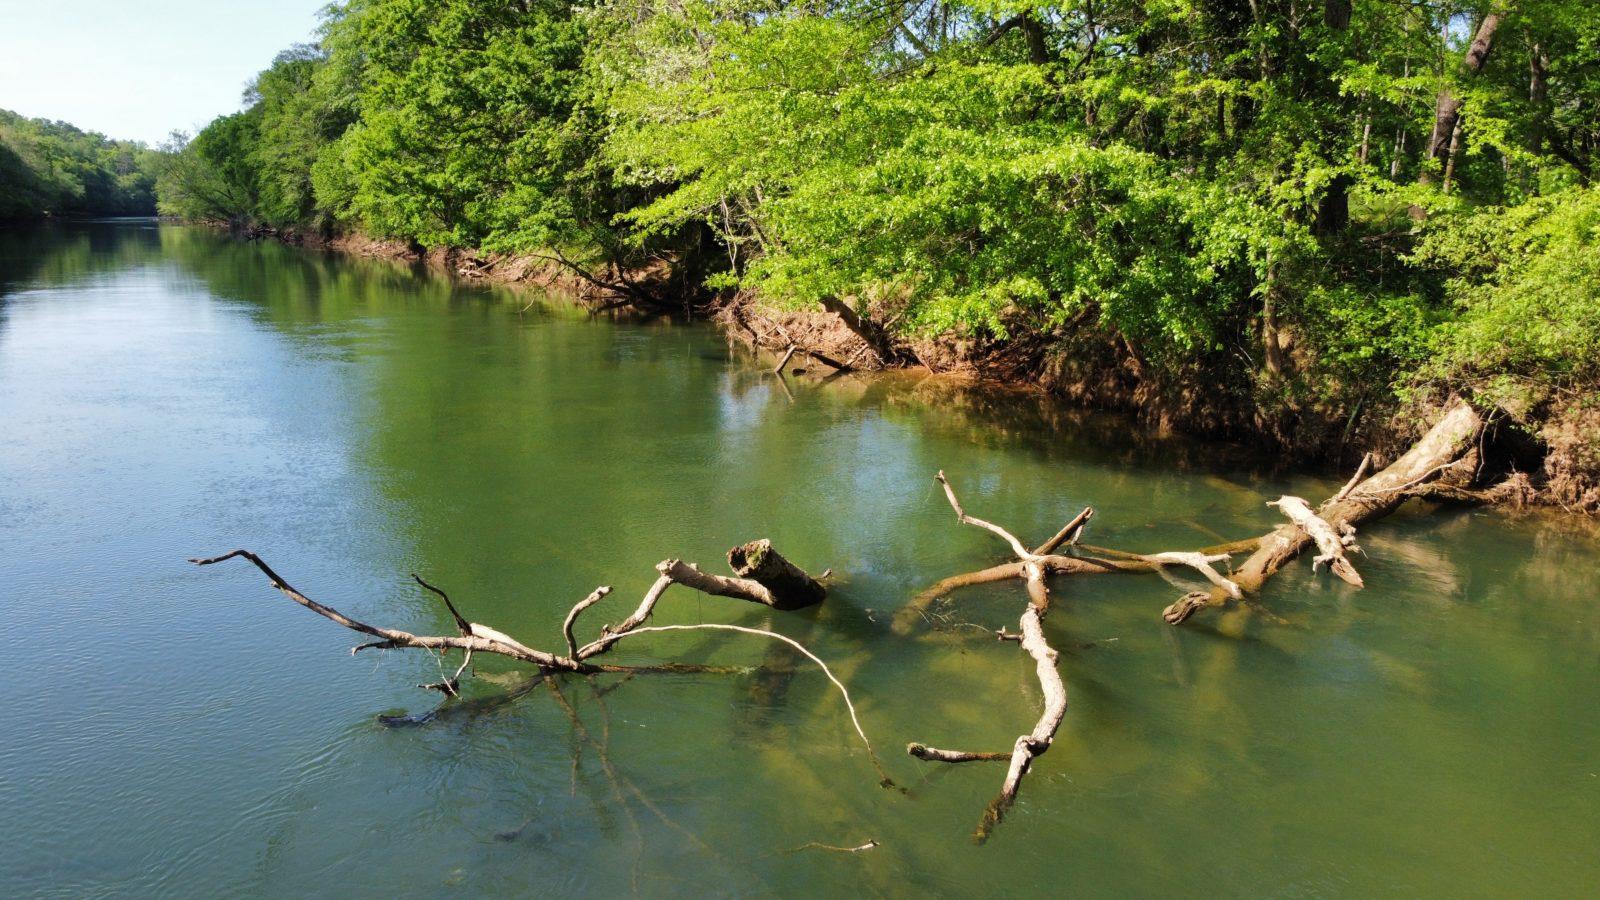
x: 1554, y: 463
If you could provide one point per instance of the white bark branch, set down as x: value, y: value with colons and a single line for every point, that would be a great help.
x: 962, y: 517
x: 1332, y: 543
x: 1201, y: 563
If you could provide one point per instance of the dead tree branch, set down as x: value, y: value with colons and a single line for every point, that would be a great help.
x: 1446, y: 457
x: 1032, y: 568
x: 1068, y: 534
x: 478, y: 637
x: 843, y: 691
x: 1333, y: 544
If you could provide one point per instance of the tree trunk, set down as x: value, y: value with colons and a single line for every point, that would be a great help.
x: 1271, y: 344
x: 1038, y: 49
x: 1448, y: 453
x: 1538, y: 94
x: 1333, y: 208
x: 790, y: 586
x: 870, y: 332
x: 1447, y: 109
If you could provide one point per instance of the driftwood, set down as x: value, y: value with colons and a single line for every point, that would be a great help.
x: 790, y: 588
x: 1096, y: 561
x: 1032, y: 568
x: 787, y: 583
x: 1333, y: 544
x: 1446, y: 461
x: 1445, y: 464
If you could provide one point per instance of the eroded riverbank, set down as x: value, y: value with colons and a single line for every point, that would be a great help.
x: 1557, y: 453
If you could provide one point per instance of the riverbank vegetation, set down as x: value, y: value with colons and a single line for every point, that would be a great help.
x: 53, y: 169
x: 1305, y: 221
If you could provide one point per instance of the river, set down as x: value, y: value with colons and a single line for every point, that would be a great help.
x: 166, y: 392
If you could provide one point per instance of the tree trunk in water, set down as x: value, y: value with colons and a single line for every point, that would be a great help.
x: 1447, y: 453
x: 790, y: 586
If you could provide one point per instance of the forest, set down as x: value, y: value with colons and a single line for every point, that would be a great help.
x: 53, y: 169
x: 1305, y: 221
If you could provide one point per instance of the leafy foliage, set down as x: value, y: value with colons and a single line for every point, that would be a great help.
x: 1268, y: 190
x: 53, y: 169
x: 1525, y: 282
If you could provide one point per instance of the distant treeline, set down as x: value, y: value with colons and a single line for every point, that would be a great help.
x: 53, y: 169
x: 1322, y: 206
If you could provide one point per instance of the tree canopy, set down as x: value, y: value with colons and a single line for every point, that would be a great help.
x: 53, y: 169
x: 1339, y: 199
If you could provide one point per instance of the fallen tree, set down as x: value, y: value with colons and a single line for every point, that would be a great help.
x: 1032, y: 567
x: 772, y: 581
x: 1450, y: 462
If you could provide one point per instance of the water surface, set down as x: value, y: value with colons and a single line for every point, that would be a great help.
x: 165, y: 392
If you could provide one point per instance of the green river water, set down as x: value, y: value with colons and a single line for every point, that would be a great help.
x: 166, y: 392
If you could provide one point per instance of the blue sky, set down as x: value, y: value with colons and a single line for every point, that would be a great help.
x: 141, y: 68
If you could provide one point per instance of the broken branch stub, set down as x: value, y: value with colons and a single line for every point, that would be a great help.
x: 788, y: 584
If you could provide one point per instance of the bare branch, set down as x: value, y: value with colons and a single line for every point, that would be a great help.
x: 1036, y: 742
x: 594, y: 597
x: 1332, y: 543
x: 843, y: 691
x: 934, y: 754
x: 1200, y: 562
x: 1068, y: 534
x: 462, y: 624
x: 818, y: 845
x: 611, y: 633
x: 787, y: 354
x: 482, y: 639
x: 961, y: 516
x: 1361, y: 470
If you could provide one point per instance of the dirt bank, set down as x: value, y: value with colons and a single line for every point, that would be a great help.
x: 1554, y: 448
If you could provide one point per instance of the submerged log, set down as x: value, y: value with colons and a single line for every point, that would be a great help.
x: 788, y: 585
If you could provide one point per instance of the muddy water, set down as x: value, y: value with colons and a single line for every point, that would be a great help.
x: 165, y: 393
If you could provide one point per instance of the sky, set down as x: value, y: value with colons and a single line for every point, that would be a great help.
x: 138, y: 69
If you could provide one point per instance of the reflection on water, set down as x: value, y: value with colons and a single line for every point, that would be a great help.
x: 165, y: 392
